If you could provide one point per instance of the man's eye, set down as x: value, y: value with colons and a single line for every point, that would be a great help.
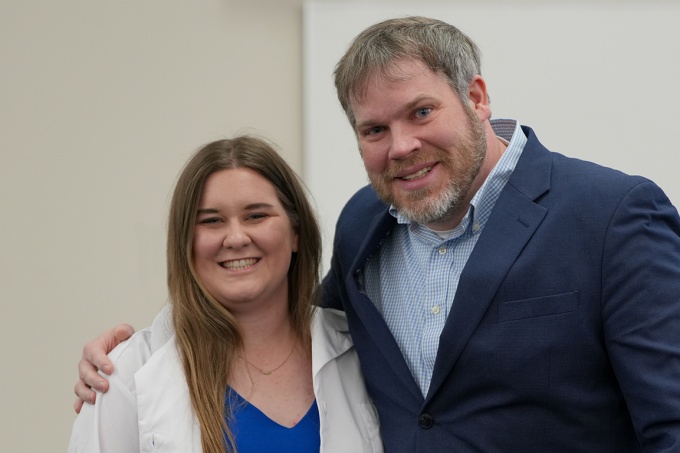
x: 423, y: 112
x: 375, y: 130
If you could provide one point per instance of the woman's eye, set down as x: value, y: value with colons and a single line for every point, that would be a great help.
x: 209, y: 220
x: 423, y: 112
x: 257, y: 216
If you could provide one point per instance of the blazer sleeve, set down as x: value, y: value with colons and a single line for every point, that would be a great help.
x: 641, y: 312
x: 331, y: 286
x: 330, y: 293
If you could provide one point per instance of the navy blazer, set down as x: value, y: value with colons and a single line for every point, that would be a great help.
x: 564, y: 333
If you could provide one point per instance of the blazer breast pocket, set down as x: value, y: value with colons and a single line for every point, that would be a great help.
x: 538, y: 306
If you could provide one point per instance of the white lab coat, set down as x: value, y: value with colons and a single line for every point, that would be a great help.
x: 147, y: 407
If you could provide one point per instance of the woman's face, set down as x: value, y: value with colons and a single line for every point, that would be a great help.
x: 243, y: 241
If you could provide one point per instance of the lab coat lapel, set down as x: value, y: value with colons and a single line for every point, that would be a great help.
x: 330, y: 337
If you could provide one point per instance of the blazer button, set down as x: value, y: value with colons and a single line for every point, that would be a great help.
x: 425, y: 421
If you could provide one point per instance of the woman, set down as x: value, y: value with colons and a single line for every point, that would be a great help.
x: 241, y: 361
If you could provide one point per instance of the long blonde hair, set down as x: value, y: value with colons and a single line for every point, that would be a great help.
x: 208, y: 337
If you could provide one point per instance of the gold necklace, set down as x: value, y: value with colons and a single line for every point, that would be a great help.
x: 267, y: 373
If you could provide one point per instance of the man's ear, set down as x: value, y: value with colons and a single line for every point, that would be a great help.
x: 478, y: 98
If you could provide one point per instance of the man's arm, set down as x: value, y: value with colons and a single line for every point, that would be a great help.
x: 641, y: 312
x: 95, y: 358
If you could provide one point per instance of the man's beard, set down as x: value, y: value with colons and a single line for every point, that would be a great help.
x: 425, y: 205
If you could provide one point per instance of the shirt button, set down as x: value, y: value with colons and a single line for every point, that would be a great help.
x: 425, y: 421
x: 476, y: 227
x: 442, y: 249
x: 435, y: 310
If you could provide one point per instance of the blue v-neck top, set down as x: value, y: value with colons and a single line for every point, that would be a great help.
x: 256, y: 433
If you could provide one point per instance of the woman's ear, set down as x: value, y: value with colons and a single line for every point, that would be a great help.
x: 295, y: 243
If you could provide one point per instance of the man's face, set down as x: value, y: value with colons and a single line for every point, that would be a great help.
x: 422, y: 148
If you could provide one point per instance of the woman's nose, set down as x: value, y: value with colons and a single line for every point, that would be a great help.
x: 236, y: 237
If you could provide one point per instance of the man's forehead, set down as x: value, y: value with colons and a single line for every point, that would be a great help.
x: 399, y: 70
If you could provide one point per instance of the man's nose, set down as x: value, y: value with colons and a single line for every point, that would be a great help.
x: 404, y: 142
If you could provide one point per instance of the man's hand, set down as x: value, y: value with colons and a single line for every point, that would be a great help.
x: 95, y: 358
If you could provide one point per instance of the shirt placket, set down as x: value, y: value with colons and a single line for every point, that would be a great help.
x: 435, y: 307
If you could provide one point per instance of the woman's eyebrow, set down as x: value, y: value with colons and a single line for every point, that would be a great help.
x: 261, y: 205
x: 207, y: 211
x: 248, y: 207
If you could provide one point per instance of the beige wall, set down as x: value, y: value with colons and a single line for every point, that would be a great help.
x: 100, y: 104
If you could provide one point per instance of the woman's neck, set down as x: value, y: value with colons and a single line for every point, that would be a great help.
x: 266, y: 331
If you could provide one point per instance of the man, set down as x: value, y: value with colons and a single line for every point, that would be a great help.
x: 501, y: 297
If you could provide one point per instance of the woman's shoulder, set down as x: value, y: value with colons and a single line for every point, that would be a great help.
x: 330, y: 336
x: 331, y: 318
x: 132, y: 354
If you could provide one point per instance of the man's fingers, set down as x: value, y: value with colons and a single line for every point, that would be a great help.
x: 90, y: 378
x: 122, y: 332
x: 95, y: 352
x: 95, y: 358
x: 78, y: 405
x: 85, y: 395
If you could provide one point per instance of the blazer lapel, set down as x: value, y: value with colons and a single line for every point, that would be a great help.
x: 513, y: 221
x: 374, y: 324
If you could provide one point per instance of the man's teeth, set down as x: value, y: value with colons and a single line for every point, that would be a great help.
x: 239, y: 265
x: 417, y: 174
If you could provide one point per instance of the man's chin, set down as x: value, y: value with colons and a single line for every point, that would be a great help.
x: 425, y: 208
x: 417, y: 207
x: 415, y: 213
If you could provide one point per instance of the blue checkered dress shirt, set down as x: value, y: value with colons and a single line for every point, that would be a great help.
x: 413, y: 278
